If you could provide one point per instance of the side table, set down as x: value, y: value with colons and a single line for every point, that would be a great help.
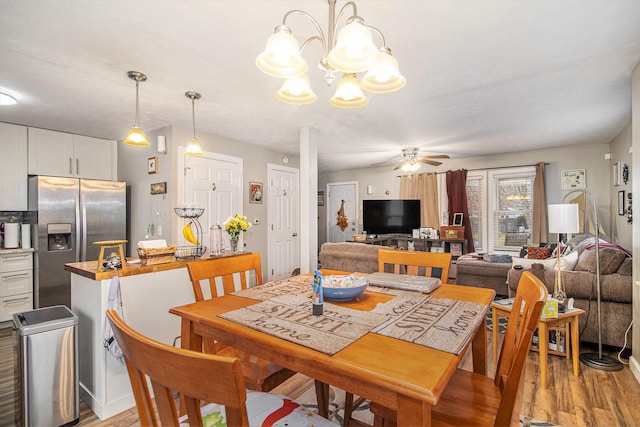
x: 502, y: 308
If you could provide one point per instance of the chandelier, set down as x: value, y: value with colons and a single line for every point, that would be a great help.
x: 352, y: 51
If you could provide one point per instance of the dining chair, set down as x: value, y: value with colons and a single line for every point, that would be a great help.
x: 198, y: 377
x: 408, y: 262
x: 416, y: 263
x: 477, y: 400
x: 259, y: 374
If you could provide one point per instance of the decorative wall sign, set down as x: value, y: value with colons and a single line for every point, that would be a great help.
x: 159, y: 188
x: 255, y: 192
x: 573, y: 179
x: 617, y: 174
x: 621, y: 207
x: 153, y: 165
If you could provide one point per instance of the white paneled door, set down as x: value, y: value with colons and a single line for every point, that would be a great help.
x: 284, y: 220
x: 213, y: 182
x: 337, y: 192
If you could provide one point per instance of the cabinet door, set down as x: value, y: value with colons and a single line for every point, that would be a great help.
x: 93, y: 158
x: 51, y: 153
x: 13, y: 167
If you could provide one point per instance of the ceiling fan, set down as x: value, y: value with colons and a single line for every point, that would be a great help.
x: 411, y: 162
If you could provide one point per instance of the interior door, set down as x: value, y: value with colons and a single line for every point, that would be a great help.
x: 338, y: 192
x: 213, y: 182
x: 284, y: 220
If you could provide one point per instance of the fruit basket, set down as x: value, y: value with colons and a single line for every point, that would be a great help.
x: 153, y: 256
x: 192, y: 232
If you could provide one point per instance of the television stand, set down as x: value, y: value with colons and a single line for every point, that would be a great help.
x: 456, y: 247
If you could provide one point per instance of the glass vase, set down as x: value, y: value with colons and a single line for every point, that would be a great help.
x: 234, y: 245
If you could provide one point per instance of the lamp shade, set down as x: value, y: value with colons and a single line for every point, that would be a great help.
x: 296, y: 90
x: 348, y: 93
x: 193, y: 148
x: 136, y: 137
x: 281, y: 56
x: 354, y: 50
x: 563, y: 218
x: 384, y: 76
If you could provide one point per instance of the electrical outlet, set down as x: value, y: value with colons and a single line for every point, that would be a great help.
x: 256, y: 221
x: 159, y: 230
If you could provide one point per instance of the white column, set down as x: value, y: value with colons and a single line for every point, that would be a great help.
x: 308, y: 199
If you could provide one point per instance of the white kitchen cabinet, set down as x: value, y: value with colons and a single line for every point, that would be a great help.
x: 64, y: 154
x: 16, y: 283
x: 13, y: 167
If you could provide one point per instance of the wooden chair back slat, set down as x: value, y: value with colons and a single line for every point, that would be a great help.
x: 413, y: 261
x: 225, y: 268
x: 196, y: 376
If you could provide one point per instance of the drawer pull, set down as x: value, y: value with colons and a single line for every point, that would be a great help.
x: 9, y: 258
x: 15, y: 301
x: 16, y: 276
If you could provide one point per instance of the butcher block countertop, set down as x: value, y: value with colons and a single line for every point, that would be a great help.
x: 89, y: 269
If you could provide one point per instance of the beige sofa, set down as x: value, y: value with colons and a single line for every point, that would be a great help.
x: 579, y: 282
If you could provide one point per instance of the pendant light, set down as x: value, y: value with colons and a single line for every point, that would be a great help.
x: 193, y: 146
x: 136, y: 135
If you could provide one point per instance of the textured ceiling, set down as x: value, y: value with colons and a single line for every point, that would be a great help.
x: 482, y: 76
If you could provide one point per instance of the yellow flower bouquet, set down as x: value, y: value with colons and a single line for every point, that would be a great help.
x: 236, y: 225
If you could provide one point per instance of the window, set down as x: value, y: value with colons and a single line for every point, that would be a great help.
x: 500, y: 203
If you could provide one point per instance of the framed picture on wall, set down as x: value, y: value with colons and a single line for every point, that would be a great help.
x: 573, y: 179
x: 621, y: 209
x: 255, y: 192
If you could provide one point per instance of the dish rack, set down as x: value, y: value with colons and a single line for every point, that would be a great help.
x: 191, y: 251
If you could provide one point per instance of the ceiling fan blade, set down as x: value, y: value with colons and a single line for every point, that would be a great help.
x: 437, y: 156
x: 398, y: 167
x: 429, y: 162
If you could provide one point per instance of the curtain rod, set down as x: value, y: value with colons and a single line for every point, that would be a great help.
x: 483, y: 169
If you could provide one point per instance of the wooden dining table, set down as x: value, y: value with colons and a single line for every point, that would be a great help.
x: 397, y: 374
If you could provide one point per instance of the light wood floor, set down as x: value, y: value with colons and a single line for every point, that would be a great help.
x: 594, y: 398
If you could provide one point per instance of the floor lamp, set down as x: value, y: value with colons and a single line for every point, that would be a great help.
x: 596, y: 360
x: 563, y: 219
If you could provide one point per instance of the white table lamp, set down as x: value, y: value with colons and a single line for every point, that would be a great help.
x: 563, y: 218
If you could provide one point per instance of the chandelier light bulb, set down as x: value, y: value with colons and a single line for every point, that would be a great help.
x: 348, y: 93
x: 296, y: 90
x: 384, y: 76
x: 354, y: 51
x: 281, y: 56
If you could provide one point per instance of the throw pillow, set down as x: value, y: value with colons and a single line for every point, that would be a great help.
x: 626, y: 268
x: 610, y: 260
x: 568, y: 262
x: 534, y: 252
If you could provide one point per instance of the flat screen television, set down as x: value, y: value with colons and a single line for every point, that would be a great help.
x: 390, y: 216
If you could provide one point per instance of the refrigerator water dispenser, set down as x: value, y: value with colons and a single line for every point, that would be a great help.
x: 58, y: 237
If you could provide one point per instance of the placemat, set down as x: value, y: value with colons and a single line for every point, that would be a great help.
x: 296, y: 285
x: 289, y: 317
x: 440, y: 323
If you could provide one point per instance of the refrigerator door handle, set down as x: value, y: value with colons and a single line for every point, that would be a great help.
x: 80, y: 251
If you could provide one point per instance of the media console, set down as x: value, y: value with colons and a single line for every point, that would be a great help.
x: 419, y: 244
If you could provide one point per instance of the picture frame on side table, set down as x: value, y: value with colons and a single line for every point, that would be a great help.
x: 573, y: 179
x: 255, y: 192
x: 457, y: 218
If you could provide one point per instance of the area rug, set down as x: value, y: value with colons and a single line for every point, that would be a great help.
x: 502, y: 321
x: 362, y: 413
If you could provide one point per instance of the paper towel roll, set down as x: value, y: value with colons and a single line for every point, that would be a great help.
x: 11, y: 235
x: 25, y: 238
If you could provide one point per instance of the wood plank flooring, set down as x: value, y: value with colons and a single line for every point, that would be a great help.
x: 594, y: 398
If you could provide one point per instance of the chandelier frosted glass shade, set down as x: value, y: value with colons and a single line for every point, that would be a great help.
x: 410, y: 167
x: 296, y: 90
x: 136, y: 137
x: 348, y: 93
x: 354, y: 50
x: 384, y: 75
x: 281, y: 56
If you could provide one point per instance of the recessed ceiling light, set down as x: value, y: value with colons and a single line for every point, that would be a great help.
x: 6, y: 99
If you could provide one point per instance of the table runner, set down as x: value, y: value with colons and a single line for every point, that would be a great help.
x: 296, y: 285
x: 289, y: 317
x: 440, y: 323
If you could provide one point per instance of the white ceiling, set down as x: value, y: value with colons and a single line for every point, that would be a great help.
x: 482, y: 76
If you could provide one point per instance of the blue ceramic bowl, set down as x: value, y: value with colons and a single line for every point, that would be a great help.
x: 340, y: 293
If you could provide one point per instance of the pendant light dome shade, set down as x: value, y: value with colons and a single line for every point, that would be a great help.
x: 281, y: 56
x: 354, y: 51
x: 296, y: 90
x: 193, y: 146
x: 384, y: 76
x: 348, y: 93
x: 136, y: 135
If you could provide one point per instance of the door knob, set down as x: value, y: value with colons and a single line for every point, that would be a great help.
x: 213, y: 187
x: 294, y: 234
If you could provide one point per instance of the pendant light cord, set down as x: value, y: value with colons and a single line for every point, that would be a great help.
x: 193, y: 115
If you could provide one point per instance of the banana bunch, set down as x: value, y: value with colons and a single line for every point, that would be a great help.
x: 187, y: 232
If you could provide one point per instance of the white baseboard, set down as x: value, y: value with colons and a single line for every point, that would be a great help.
x: 634, y: 365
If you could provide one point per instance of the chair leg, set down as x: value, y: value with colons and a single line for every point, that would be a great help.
x: 348, y: 408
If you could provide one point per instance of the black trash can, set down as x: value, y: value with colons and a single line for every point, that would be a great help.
x: 46, y: 368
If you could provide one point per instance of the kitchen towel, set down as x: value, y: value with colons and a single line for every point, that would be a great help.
x: 25, y: 239
x: 11, y: 235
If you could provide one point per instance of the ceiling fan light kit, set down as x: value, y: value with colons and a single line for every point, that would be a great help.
x: 351, y: 52
x: 411, y: 163
x: 136, y: 135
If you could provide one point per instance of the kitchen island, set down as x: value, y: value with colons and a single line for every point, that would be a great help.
x: 148, y: 292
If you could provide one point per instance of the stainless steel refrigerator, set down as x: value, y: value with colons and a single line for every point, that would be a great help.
x: 72, y: 214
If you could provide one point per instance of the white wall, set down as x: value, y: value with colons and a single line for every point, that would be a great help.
x: 590, y: 157
x: 132, y: 168
x: 620, y: 228
x: 635, y: 138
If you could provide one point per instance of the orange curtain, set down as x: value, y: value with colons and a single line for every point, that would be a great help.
x: 423, y: 187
